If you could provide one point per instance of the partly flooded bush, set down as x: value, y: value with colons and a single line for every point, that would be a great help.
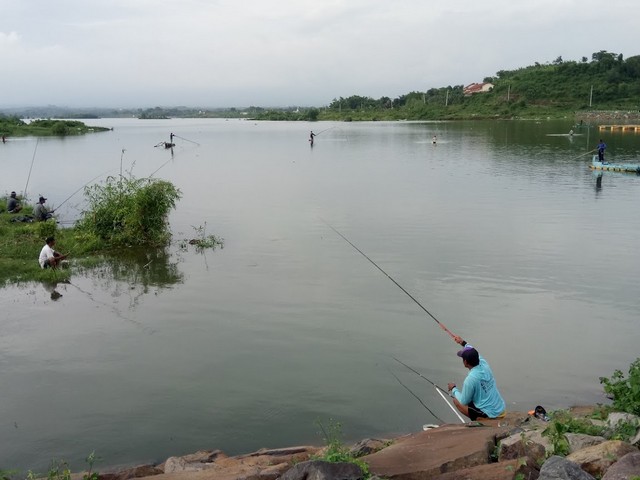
x: 129, y: 211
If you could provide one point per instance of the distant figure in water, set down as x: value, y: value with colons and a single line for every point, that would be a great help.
x: 434, y: 139
x: 571, y: 132
x: 311, y: 136
x: 601, y: 148
x: 4, y: 139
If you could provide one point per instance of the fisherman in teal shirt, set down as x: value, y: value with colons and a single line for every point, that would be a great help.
x: 479, y: 397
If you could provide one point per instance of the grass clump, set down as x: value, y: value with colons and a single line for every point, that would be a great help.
x: 336, y: 451
x: 202, y: 241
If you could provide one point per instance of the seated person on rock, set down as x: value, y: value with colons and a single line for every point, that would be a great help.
x: 13, y: 206
x: 48, y: 256
x: 479, y: 397
x: 40, y: 212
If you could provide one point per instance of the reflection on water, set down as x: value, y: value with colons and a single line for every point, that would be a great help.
x: 132, y: 272
x: 51, y: 287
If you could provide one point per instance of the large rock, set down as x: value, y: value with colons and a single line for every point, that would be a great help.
x: 508, y: 470
x: 558, y: 468
x: 525, y: 444
x: 624, y: 469
x: 368, y: 446
x: 193, y: 462
x: 433, y: 452
x: 133, y: 472
x: 320, y: 470
x: 578, y: 441
x: 597, y: 458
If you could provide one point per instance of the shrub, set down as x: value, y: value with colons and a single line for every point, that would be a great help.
x: 129, y: 211
x: 625, y: 391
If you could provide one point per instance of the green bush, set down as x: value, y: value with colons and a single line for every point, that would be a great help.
x: 625, y: 391
x: 129, y: 211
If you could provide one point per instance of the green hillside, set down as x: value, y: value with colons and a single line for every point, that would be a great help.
x: 556, y: 89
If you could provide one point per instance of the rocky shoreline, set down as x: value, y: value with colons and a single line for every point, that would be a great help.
x: 509, y: 448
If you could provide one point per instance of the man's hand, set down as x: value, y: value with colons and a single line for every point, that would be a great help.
x: 459, y: 340
x: 451, y: 386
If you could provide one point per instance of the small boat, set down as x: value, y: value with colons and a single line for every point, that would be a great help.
x: 614, y: 167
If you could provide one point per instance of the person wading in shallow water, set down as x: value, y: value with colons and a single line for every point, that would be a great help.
x: 311, y: 137
x: 601, y: 148
x: 479, y: 397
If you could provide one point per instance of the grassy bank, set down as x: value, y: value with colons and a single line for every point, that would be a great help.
x: 14, y: 127
x: 122, y: 212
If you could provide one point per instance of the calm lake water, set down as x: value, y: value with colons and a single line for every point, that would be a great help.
x: 500, y: 230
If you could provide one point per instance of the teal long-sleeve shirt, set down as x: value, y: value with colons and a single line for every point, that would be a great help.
x: 480, y: 388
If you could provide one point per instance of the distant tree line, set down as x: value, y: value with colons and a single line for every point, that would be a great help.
x: 605, y: 82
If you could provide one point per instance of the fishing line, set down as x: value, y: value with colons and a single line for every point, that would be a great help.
x: 417, y: 397
x: 390, y: 278
x: 30, y: 168
x: 437, y: 387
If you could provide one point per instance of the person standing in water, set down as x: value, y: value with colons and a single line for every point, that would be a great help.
x: 311, y: 137
x: 601, y: 148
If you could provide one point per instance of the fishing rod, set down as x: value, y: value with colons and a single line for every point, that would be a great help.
x: 156, y: 170
x: 185, y: 139
x: 316, y: 134
x: 590, y: 151
x: 417, y: 397
x: 391, y: 278
x: 69, y: 197
x: 30, y: 168
x: 439, y: 389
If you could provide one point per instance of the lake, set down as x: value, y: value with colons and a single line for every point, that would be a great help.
x: 499, y: 230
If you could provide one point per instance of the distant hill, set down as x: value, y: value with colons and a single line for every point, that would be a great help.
x: 559, y: 88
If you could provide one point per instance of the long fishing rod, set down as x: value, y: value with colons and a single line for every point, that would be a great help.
x: 391, y: 278
x: 69, y: 197
x: 421, y: 376
x: 579, y: 156
x: 439, y: 389
x: 417, y: 397
x: 185, y: 139
x: 24, y: 194
x: 156, y: 170
x: 316, y: 134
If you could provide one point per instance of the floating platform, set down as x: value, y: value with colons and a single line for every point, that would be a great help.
x: 622, y: 128
x: 614, y: 167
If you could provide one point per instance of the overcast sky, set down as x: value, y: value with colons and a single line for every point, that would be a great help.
x: 208, y: 53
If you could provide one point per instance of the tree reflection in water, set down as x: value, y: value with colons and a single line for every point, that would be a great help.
x: 134, y: 273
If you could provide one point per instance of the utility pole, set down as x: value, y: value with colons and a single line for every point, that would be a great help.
x: 591, y: 97
x: 508, y: 93
x: 446, y: 100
